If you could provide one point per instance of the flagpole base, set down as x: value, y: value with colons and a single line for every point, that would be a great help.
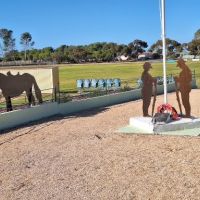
x: 146, y: 126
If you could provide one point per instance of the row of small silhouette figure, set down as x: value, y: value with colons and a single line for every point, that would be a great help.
x: 182, y: 83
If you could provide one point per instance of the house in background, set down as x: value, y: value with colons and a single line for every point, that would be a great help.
x: 122, y: 58
x: 145, y: 56
x: 185, y: 54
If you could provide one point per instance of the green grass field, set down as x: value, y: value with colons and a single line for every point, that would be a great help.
x: 126, y: 71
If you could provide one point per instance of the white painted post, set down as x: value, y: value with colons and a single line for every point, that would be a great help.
x: 164, y: 51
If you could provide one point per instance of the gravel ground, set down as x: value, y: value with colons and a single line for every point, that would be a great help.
x: 83, y: 157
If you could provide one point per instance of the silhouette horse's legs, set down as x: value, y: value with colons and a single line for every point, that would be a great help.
x: 8, y: 104
x: 31, y: 98
x: 37, y: 92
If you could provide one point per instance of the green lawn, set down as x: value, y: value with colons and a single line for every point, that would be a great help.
x: 126, y: 71
x: 22, y: 100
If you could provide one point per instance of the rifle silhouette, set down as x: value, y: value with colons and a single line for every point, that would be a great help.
x: 177, y: 97
x: 154, y: 97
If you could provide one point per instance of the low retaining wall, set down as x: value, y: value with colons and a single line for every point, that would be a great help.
x: 23, y: 116
x: 97, y: 102
x: 20, y: 117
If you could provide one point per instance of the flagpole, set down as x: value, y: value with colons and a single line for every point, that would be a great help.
x: 164, y: 50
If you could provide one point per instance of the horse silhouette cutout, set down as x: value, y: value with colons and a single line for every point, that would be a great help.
x: 15, y: 85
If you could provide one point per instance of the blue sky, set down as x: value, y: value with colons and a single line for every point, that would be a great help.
x: 77, y: 22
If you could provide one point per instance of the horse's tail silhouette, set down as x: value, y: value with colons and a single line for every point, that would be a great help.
x: 37, y: 91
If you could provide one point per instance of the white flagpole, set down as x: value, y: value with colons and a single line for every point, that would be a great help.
x: 164, y: 51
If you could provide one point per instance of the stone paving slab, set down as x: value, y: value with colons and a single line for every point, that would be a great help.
x: 145, y: 123
x: 133, y: 130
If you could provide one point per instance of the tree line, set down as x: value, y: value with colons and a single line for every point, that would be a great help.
x: 95, y: 52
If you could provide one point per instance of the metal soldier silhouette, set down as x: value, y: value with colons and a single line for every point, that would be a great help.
x: 148, y: 83
x: 183, y: 81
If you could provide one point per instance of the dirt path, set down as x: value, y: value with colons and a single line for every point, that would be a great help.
x: 82, y: 157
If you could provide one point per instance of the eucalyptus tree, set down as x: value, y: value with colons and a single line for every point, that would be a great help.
x: 194, y: 45
x: 173, y: 48
x: 1, y: 50
x: 137, y: 46
x: 197, y: 35
x: 7, y: 42
x: 26, y: 42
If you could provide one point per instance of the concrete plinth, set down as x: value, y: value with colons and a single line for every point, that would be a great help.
x: 146, y: 126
